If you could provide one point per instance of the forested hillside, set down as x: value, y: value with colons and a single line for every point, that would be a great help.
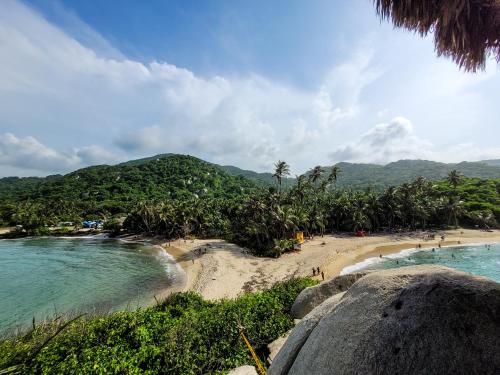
x: 360, y: 176
x: 176, y: 196
x: 110, y: 190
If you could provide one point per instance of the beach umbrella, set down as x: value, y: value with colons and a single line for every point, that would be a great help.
x: 468, y: 31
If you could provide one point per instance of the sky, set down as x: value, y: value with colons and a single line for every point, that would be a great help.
x: 244, y: 83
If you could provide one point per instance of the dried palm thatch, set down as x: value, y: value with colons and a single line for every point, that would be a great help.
x: 468, y: 31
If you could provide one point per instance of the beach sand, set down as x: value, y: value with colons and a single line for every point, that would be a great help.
x: 217, y: 269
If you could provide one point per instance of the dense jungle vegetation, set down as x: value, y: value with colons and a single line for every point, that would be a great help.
x: 178, y: 196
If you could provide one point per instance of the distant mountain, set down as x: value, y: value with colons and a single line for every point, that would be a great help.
x: 376, y: 176
x: 180, y: 176
x: 264, y: 178
x: 359, y: 176
x: 495, y: 162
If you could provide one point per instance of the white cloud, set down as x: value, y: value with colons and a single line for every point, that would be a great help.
x: 387, y: 142
x: 83, y: 96
x: 29, y: 153
x: 383, y: 143
x: 68, y: 94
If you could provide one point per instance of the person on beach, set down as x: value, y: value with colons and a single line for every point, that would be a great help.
x: 380, y: 255
x: 323, y: 275
x: 439, y: 245
x: 317, y: 269
x: 314, y: 271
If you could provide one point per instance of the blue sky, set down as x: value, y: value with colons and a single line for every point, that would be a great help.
x: 233, y: 82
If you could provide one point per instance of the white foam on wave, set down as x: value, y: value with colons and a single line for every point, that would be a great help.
x: 165, y: 258
x: 405, y: 253
x: 361, y: 265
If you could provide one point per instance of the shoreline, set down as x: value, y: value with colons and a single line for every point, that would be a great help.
x: 403, y: 253
x: 217, y: 269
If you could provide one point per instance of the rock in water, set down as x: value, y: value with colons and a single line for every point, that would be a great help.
x: 313, y: 296
x: 411, y: 320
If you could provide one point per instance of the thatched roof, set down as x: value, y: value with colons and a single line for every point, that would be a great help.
x: 468, y: 31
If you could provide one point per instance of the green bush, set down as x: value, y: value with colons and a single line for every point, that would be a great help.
x: 182, y: 335
x: 114, y: 226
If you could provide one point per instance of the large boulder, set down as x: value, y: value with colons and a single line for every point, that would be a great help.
x: 313, y: 296
x: 411, y: 320
x: 275, y: 346
x: 296, y: 339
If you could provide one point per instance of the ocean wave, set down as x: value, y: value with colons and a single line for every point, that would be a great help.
x: 405, y: 253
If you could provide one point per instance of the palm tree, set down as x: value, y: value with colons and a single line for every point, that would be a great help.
x: 454, y: 209
x: 334, y: 174
x: 282, y: 169
x: 465, y: 30
x: 390, y: 206
x: 358, y: 215
x: 454, y: 178
x: 316, y: 174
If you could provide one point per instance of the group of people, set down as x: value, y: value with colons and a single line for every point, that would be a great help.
x: 317, y: 272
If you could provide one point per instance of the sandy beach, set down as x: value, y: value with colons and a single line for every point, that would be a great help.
x: 217, y: 269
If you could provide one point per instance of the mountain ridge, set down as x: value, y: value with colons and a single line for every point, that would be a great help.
x: 352, y: 175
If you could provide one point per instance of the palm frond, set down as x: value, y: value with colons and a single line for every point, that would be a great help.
x: 468, y: 31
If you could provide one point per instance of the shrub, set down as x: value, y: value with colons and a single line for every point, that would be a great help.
x: 182, y: 335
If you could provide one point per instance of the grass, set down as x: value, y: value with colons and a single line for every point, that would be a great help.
x: 182, y: 335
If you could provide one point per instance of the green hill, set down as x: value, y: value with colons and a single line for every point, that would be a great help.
x: 359, y: 176
x: 265, y: 178
x: 180, y: 177
x: 116, y: 188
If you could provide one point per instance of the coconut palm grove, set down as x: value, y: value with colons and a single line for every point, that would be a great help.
x: 181, y: 196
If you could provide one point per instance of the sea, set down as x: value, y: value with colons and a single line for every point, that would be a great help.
x: 479, y: 259
x: 44, y: 278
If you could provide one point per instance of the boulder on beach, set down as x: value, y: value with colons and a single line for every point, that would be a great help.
x: 295, y: 340
x: 410, y: 320
x: 313, y: 296
x: 275, y: 346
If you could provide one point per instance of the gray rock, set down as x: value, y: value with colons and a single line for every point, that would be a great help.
x: 313, y: 296
x: 243, y: 370
x: 411, y: 320
x: 276, y: 346
x: 284, y: 359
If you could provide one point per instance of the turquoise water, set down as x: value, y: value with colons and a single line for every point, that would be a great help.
x: 479, y: 260
x: 47, y: 277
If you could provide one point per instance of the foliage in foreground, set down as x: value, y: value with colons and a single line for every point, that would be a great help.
x: 182, y: 335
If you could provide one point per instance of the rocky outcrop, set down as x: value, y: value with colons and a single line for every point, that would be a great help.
x: 276, y: 346
x: 313, y: 296
x: 243, y: 370
x: 285, y: 357
x: 411, y: 320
